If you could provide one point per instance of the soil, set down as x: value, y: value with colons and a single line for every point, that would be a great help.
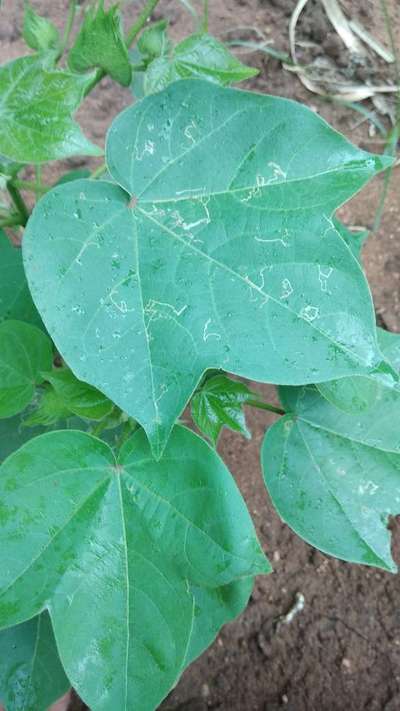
x: 342, y: 651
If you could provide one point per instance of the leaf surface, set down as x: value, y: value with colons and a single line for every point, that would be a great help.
x: 334, y: 477
x: 24, y: 353
x: 31, y: 674
x: 100, y: 43
x: 113, y: 551
x: 201, y: 56
x: 215, y: 252
x: 36, y: 104
x: 15, y: 299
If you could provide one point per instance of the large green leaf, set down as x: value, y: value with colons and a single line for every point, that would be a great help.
x: 15, y: 299
x: 24, y: 353
x: 111, y: 549
x: 100, y: 43
x: 36, y: 104
x: 216, y: 251
x: 334, y: 477
x: 199, y: 55
x: 31, y: 674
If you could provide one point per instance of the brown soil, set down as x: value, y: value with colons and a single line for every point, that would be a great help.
x: 342, y: 652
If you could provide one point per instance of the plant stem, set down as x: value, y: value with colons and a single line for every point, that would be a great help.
x: 266, y: 406
x: 11, y: 221
x: 31, y: 186
x: 141, y: 21
x: 68, y: 27
x: 19, y: 203
x: 389, y: 29
x: 204, y: 23
x: 99, y: 171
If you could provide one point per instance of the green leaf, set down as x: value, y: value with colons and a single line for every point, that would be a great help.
x: 201, y: 56
x: 76, y: 174
x: 100, y: 43
x: 215, y: 252
x: 38, y: 32
x: 25, y: 352
x: 78, y: 397
x: 213, y: 608
x: 219, y: 403
x: 50, y: 410
x: 36, y: 104
x: 113, y: 551
x: 355, y: 240
x: 31, y: 674
x: 154, y: 42
x: 359, y: 393
x: 15, y: 299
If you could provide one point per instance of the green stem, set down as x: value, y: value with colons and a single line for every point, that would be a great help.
x: 19, y: 203
x: 31, y: 186
x: 141, y: 21
x: 266, y: 406
x: 12, y: 221
x: 204, y: 24
x: 68, y: 27
x: 389, y: 29
x: 99, y: 171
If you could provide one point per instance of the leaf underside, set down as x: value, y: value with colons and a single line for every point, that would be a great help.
x: 216, y: 251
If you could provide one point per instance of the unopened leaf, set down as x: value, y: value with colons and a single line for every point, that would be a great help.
x: 217, y: 251
x: 112, y: 547
x: 31, y: 674
x: 219, y: 403
x: 15, y: 299
x: 100, y: 43
x: 36, y: 104
x: 38, y: 32
x: 24, y: 353
x: 78, y: 397
x: 334, y: 478
x: 154, y: 42
x: 49, y: 410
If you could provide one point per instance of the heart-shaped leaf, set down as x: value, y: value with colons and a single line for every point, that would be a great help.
x: 25, y: 352
x: 112, y: 553
x: 15, y: 299
x: 334, y: 477
x: 215, y: 252
x: 31, y: 674
x: 36, y: 104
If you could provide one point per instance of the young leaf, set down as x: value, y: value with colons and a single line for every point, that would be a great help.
x: 113, y: 551
x: 38, y: 32
x: 36, y: 104
x: 359, y: 393
x: 31, y: 674
x: 154, y: 42
x: 219, y: 403
x: 100, y: 43
x: 15, y: 299
x: 50, y: 410
x: 334, y: 478
x: 25, y: 352
x: 214, y: 252
x: 201, y: 56
x: 78, y: 397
